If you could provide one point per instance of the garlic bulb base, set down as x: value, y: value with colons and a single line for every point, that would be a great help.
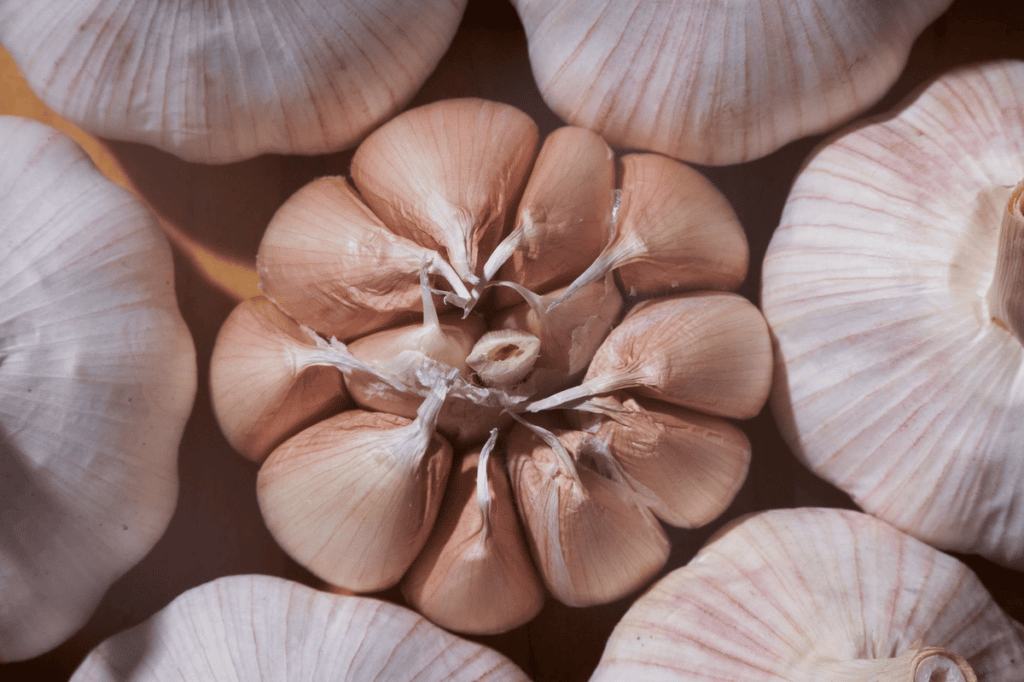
x: 1006, y: 296
x: 927, y: 664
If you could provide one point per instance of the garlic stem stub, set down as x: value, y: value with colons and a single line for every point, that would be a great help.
x: 815, y: 594
x: 894, y: 288
x: 400, y: 283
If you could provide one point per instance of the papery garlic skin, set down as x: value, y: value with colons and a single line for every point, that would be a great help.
x: 221, y: 81
x: 255, y: 627
x: 894, y: 380
x: 717, y: 82
x: 97, y: 379
x: 813, y: 594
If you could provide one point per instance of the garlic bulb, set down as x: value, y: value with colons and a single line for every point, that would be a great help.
x: 815, y: 594
x: 717, y: 82
x: 256, y: 627
x: 453, y: 204
x: 97, y: 379
x: 894, y: 300
x: 222, y: 81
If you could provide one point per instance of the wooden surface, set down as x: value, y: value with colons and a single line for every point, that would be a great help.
x: 215, y: 216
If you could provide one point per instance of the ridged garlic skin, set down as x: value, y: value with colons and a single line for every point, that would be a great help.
x: 97, y: 379
x: 718, y: 82
x: 222, y: 81
x: 811, y: 594
x: 892, y: 379
x: 244, y: 628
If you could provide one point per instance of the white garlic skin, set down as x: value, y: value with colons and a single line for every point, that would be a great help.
x: 257, y: 627
x: 220, y: 81
x: 717, y: 82
x: 811, y: 594
x: 893, y: 381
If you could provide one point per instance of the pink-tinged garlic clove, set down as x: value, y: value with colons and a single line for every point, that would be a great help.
x: 331, y: 264
x: 354, y: 497
x: 97, y: 380
x: 564, y: 218
x: 717, y: 82
x: 221, y: 81
x: 258, y: 627
x: 475, y: 574
x: 447, y: 175
x: 592, y: 538
x: 890, y: 287
x: 815, y: 594
x: 687, y: 466
x: 262, y: 390
x: 706, y: 351
x: 674, y: 231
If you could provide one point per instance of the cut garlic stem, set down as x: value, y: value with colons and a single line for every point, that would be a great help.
x: 503, y: 357
x: 930, y: 664
x: 1006, y: 295
x: 483, y: 491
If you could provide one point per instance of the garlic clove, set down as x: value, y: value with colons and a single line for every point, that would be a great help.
x: 892, y: 374
x: 815, y: 594
x: 331, y: 264
x: 217, y: 81
x: 713, y: 82
x: 399, y: 351
x: 686, y: 465
x: 97, y: 381
x: 262, y: 391
x: 564, y: 218
x: 475, y: 574
x: 446, y: 175
x: 353, y: 498
x: 706, y: 351
x: 258, y: 627
x: 591, y: 537
x: 673, y: 231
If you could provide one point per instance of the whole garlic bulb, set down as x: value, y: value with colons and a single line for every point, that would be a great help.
x: 815, y: 594
x: 255, y: 627
x: 892, y: 287
x: 717, y: 82
x: 97, y: 379
x: 223, y: 81
x: 449, y: 200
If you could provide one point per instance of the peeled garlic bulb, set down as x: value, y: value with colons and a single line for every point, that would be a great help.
x: 262, y: 391
x: 475, y: 574
x: 97, y: 379
x: 449, y: 201
x: 893, y: 298
x: 815, y: 594
x: 222, y: 81
x: 257, y: 627
x: 717, y: 82
x: 354, y: 497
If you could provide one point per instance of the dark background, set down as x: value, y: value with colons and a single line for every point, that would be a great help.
x: 217, y: 529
